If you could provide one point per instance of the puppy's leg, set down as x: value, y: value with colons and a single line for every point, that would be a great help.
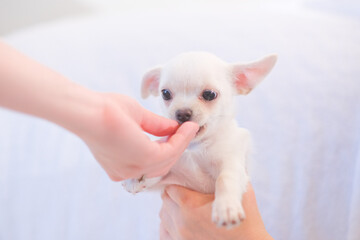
x: 137, y: 185
x: 230, y: 186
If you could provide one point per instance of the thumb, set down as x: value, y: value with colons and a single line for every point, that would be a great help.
x: 171, y: 150
x: 176, y: 144
x: 183, y: 136
x: 178, y: 194
x: 185, y: 197
x: 157, y: 125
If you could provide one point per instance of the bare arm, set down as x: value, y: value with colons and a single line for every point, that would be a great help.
x: 32, y: 88
x: 112, y: 125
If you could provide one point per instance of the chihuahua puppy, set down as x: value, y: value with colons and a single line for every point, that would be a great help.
x: 199, y: 87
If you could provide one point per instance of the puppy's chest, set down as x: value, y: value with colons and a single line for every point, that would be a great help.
x: 195, y: 162
x: 196, y: 170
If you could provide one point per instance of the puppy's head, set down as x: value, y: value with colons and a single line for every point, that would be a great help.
x: 199, y: 87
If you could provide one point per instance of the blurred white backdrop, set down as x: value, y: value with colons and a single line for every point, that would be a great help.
x: 304, y: 118
x: 19, y: 14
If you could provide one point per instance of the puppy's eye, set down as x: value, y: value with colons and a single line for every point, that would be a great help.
x: 166, y: 94
x: 209, y: 95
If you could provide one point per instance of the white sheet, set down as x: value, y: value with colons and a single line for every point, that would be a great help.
x: 305, y: 120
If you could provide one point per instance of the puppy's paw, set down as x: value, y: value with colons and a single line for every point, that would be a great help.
x: 227, y: 212
x: 134, y: 185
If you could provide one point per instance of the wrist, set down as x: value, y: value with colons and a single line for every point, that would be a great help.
x: 78, y: 109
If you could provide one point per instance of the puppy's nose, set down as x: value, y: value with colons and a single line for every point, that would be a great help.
x: 183, y: 115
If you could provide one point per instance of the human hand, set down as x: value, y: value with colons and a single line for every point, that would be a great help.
x: 121, y: 147
x: 186, y: 214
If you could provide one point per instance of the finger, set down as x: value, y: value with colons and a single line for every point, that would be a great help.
x: 186, y: 197
x: 113, y: 175
x: 170, y: 151
x: 157, y: 125
x: 249, y: 201
x: 159, y: 170
x: 185, y: 133
x: 166, y: 220
x: 167, y: 214
x: 169, y: 205
x: 164, y: 234
x: 178, y: 194
x: 178, y: 142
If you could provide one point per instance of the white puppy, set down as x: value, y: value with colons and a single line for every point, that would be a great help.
x: 199, y: 87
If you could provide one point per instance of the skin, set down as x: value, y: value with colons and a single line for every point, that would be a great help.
x: 186, y: 214
x: 112, y: 125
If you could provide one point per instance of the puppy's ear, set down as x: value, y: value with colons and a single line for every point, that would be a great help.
x: 247, y: 76
x: 150, y: 82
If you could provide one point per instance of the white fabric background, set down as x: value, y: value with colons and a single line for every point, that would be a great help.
x: 305, y: 120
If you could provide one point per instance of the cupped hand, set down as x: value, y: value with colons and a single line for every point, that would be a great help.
x: 186, y: 214
x: 120, y: 145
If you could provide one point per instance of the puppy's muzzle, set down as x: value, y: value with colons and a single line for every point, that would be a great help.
x: 183, y: 115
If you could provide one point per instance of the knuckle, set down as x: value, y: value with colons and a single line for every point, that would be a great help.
x: 163, y: 233
x: 164, y: 196
x: 164, y: 172
x: 161, y: 214
x: 115, y: 178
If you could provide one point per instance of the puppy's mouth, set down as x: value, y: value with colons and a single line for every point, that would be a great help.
x: 201, y: 130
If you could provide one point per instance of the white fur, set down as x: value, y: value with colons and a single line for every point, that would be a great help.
x: 215, y: 161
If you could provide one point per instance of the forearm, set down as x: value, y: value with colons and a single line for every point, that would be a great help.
x: 29, y: 87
